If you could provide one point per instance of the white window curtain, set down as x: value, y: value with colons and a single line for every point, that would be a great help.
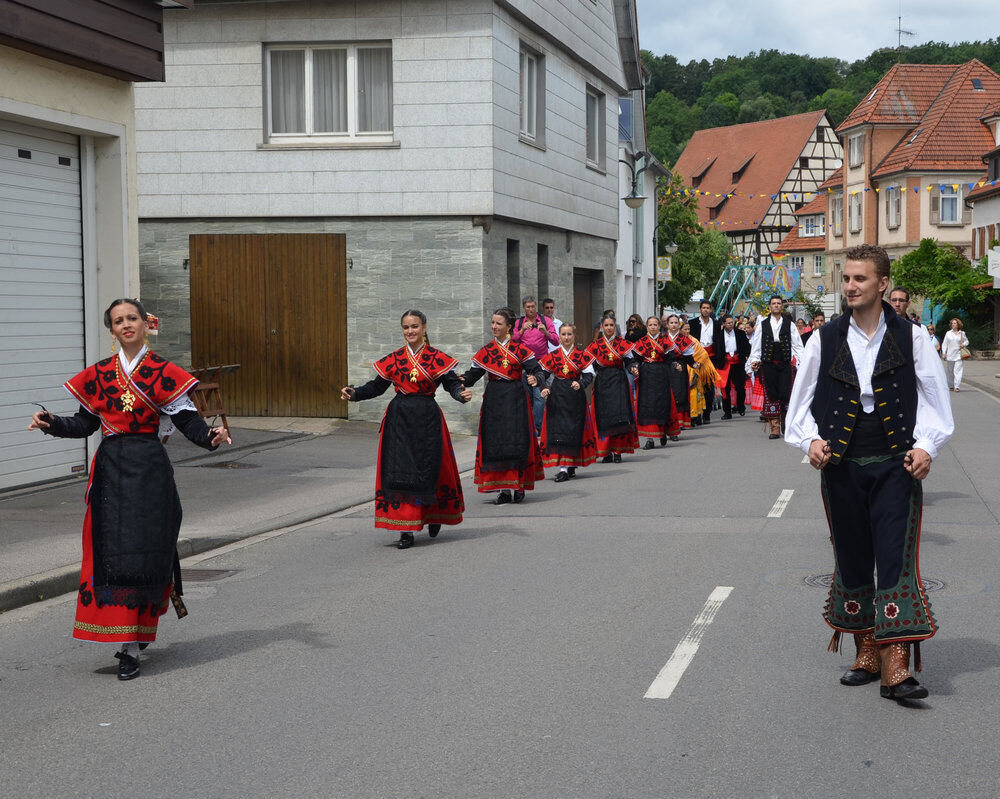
x: 288, y: 88
x: 329, y: 91
x: 374, y: 89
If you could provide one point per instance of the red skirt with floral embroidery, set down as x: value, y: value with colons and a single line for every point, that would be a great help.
x: 449, y: 504
x: 111, y: 624
x: 588, y: 446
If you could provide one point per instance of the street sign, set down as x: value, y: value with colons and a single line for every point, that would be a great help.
x: 664, y: 268
x: 819, y: 287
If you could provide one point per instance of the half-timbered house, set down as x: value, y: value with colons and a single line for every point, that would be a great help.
x: 751, y: 179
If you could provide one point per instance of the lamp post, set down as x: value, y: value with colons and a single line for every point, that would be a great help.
x: 634, y: 201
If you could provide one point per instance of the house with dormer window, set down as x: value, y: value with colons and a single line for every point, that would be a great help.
x: 751, y: 179
x: 914, y: 153
x: 804, y: 248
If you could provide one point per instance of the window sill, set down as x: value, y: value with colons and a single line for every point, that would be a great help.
x: 536, y: 143
x: 594, y: 167
x: 325, y: 145
x: 949, y: 224
x: 892, y: 227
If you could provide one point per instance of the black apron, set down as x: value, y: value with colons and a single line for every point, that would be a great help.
x: 565, y: 418
x: 503, y: 427
x: 612, y: 406
x: 653, y: 406
x: 411, y: 449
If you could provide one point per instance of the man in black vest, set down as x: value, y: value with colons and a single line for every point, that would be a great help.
x: 736, y: 347
x: 870, y: 407
x: 706, y: 329
x: 775, y: 343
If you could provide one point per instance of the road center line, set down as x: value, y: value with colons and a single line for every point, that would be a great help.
x: 781, y: 503
x: 674, y: 669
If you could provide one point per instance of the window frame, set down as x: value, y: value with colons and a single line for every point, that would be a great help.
x: 894, y: 208
x: 855, y: 211
x: 811, y: 225
x: 855, y: 150
x: 819, y: 265
x: 352, y: 136
x: 953, y: 195
x: 796, y: 261
x: 599, y: 162
x: 536, y: 103
x: 837, y: 215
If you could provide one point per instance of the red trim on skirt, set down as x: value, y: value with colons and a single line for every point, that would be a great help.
x: 511, y: 479
x: 588, y: 448
x: 411, y: 516
x: 111, y: 624
x: 621, y: 444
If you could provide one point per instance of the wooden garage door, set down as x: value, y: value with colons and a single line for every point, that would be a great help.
x: 277, y: 305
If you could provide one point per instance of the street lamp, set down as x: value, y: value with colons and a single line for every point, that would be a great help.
x: 634, y: 199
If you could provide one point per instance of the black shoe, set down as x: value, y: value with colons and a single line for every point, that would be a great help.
x: 858, y: 677
x: 433, y: 530
x: 907, y: 689
x: 649, y: 444
x: 762, y: 418
x: 674, y: 438
x: 502, y: 498
x: 518, y: 497
x: 706, y: 420
x: 617, y: 457
x: 773, y: 436
x: 405, y: 541
x: 742, y: 411
x: 727, y: 416
x: 571, y: 471
x: 142, y: 647
x: 607, y: 459
x: 562, y: 477
x: 128, y: 666
x: 663, y: 441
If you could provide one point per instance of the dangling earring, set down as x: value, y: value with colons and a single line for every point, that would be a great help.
x: 114, y: 345
x: 145, y: 339
x: 425, y: 339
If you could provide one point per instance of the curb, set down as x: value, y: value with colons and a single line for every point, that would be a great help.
x: 992, y: 390
x: 64, y: 580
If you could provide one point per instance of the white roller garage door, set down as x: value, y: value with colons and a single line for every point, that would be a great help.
x: 41, y: 298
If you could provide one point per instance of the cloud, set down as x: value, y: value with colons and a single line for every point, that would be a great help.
x: 849, y: 30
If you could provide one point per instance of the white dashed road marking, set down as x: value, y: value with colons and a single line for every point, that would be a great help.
x: 781, y: 504
x: 672, y: 672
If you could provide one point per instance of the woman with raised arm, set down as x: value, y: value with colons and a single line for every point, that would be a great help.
x: 130, y: 570
x: 569, y: 438
x: 507, y: 456
x: 613, y: 411
x: 416, y: 479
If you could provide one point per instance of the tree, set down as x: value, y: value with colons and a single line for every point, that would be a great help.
x: 701, y: 254
x: 942, y: 274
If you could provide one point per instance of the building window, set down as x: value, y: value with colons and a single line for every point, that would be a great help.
x: 818, y: 266
x: 596, y: 133
x: 893, y: 207
x: 532, y: 96
x: 804, y: 162
x: 854, y: 213
x: 855, y: 150
x: 950, y: 198
x: 811, y: 226
x: 335, y: 92
x: 837, y: 214
x: 796, y: 261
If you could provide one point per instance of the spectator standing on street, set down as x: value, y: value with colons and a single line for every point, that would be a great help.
x: 932, y: 332
x: 899, y: 299
x: 507, y: 455
x: 536, y: 333
x: 818, y: 320
x: 549, y: 311
x: 416, y: 479
x: 569, y: 436
x: 951, y: 350
x: 870, y: 410
x: 130, y: 570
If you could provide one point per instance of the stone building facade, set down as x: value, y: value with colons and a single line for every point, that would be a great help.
x: 466, y: 203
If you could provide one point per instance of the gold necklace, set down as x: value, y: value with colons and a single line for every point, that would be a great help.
x: 128, y: 398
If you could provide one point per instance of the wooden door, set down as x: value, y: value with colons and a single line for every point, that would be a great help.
x: 276, y: 304
x: 583, y: 303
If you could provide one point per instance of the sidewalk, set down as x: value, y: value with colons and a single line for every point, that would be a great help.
x: 279, y: 472
x: 984, y: 375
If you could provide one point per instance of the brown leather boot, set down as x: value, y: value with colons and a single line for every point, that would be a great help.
x: 775, y: 428
x: 868, y: 663
x: 897, y: 682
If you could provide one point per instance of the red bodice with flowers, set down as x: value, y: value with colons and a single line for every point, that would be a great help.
x: 610, y: 353
x: 415, y: 374
x: 503, y: 360
x: 570, y: 366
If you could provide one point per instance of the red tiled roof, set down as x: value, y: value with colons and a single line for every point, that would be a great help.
x: 795, y: 243
x: 950, y: 136
x: 835, y: 181
x: 776, y: 145
x: 814, y: 206
x: 988, y: 189
x: 902, y: 97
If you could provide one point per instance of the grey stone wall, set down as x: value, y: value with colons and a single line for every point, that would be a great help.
x: 567, y: 251
x: 434, y: 264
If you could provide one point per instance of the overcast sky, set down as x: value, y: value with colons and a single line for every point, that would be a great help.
x: 849, y: 29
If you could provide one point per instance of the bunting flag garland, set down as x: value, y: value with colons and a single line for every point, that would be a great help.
x: 806, y: 196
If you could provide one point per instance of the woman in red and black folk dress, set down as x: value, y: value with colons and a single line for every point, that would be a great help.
x: 569, y: 437
x: 679, y: 348
x: 130, y: 566
x: 416, y: 480
x: 613, y: 412
x: 507, y: 455
x: 656, y: 412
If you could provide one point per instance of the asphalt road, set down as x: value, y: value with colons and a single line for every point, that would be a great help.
x: 511, y: 656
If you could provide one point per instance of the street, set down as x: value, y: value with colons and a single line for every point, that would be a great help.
x: 511, y: 656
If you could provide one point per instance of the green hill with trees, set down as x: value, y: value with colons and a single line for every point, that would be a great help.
x: 681, y: 99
